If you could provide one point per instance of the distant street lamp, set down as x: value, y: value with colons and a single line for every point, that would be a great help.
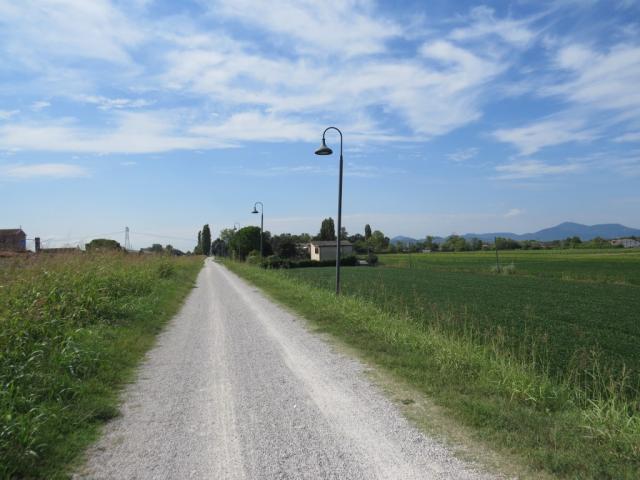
x: 324, y: 150
x: 261, y: 223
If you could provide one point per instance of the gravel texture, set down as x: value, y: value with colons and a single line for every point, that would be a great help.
x: 238, y: 388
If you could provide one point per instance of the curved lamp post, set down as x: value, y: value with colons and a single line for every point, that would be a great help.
x: 324, y: 150
x: 261, y: 222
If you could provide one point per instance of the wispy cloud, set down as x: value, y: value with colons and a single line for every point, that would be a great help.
x: 349, y: 28
x: 534, y: 169
x: 105, y: 103
x: 514, y: 212
x: 40, y: 105
x: 43, y: 170
x: 7, y: 114
x: 463, y: 155
x: 545, y: 133
x: 483, y: 23
x: 629, y: 137
x: 605, y: 80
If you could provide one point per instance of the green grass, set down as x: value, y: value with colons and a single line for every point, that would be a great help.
x: 72, y: 329
x: 532, y: 361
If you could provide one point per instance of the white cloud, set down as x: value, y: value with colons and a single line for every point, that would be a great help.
x: 601, y: 80
x: 554, y: 131
x: 349, y: 28
x: 43, y: 170
x: 37, y: 31
x: 533, y: 169
x: 105, y: 103
x: 7, y: 114
x: 484, y: 24
x: 256, y: 126
x: 134, y: 133
x: 463, y: 155
x: 629, y: 137
x: 514, y: 212
x: 40, y: 105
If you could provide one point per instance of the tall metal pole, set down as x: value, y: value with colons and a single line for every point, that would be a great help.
x: 339, y: 250
x: 324, y: 150
x: 255, y: 210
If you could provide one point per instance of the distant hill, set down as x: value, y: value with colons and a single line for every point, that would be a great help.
x: 559, y: 232
x: 406, y: 240
x: 411, y: 241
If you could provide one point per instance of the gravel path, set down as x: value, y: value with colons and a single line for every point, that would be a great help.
x: 237, y: 388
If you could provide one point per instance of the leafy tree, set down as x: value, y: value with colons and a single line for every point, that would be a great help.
x: 572, y: 242
x: 475, y: 244
x: 327, y: 230
x: 246, y: 240
x: 206, y: 240
x: 102, y: 244
x: 507, y: 244
x: 378, y: 241
x: 367, y: 231
x: 156, y: 248
x: 599, y: 242
x: 454, y: 243
x: 284, y: 246
x: 428, y: 244
x: 226, y: 234
x: 303, y: 238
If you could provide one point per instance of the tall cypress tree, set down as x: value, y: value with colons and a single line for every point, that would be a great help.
x: 206, y: 240
x: 327, y: 230
x: 367, y: 231
x: 198, y: 249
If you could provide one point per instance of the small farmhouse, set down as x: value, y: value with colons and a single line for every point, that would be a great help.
x: 626, y: 243
x: 322, y: 250
x: 13, y: 240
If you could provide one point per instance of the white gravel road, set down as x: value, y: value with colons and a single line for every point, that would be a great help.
x: 238, y: 388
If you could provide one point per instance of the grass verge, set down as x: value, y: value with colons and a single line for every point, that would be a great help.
x: 72, y: 329
x: 550, y: 425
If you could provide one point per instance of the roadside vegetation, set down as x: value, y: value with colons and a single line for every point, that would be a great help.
x: 542, y: 362
x: 72, y: 328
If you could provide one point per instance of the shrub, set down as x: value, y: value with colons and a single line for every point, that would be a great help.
x: 372, y: 259
x: 276, y: 262
x: 253, y: 257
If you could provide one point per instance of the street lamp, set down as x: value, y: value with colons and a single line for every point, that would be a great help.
x: 261, y: 222
x: 324, y: 150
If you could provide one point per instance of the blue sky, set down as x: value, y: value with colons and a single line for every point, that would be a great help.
x: 457, y: 116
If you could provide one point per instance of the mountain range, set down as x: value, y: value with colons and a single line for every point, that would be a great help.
x: 559, y: 232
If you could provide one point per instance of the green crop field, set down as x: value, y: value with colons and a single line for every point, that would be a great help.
x: 541, y: 359
x: 71, y: 330
x: 564, y: 309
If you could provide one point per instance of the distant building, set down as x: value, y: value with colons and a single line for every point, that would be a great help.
x: 322, y: 250
x: 13, y: 240
x: 626, y: 243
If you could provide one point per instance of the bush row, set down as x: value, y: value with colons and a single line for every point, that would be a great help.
x: 277, y: 262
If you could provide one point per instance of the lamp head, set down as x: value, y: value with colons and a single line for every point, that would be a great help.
x: 255, y: 210
x: 324, y: 150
